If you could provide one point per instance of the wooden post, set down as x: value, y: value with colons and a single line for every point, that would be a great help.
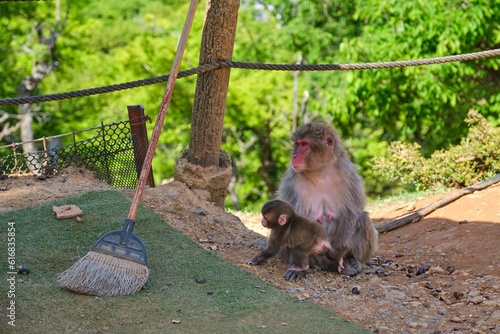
x: 209, y: 106
x: 139, y: 139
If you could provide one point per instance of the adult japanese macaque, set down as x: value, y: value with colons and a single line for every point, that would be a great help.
x: 298, y: 235
x: 322, y: 183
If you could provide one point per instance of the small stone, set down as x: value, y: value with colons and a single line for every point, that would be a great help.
x: 437, y: 270
x: 381, y: 273
x: 490, y: 303
x: 495, y: 317
x: 477, y: 300
x: 412, y: 325
x: 356, y: 290
x: 474, y: 293
x: 450, y: 269
x: 383, y: 329
x: 415, y: 304
x: 456, y: 320
x: 420, y: 271
x: 199, y: 211
x: 410, y: 206
x: 23, y: 270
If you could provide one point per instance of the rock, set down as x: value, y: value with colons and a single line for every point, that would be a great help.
x: 474, y: 293
x: 490, y: 303
x: 415, y: 304
x: 477, y: 300
x: 456, y: 320
x: 450, y: 269
x: 437, y: 270
x: 495, y: 317
x: 383, y: 329
x: 411, y: 206
x: 412, y: 325
x: 420, y: 271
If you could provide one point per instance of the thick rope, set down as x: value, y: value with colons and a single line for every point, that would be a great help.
x: 252, y: 66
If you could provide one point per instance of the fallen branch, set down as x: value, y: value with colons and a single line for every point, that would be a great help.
x: 419, y: 214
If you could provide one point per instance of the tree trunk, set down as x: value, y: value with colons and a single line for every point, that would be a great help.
x: 42, y: 67
x: 267, y: 169
x: 207, y: 121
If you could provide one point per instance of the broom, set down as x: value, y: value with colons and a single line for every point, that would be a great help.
x: 117, y: 263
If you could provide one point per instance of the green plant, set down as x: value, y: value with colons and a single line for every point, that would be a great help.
x: 476, y: 158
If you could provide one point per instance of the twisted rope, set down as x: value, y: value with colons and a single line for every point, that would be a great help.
x: 252, y: 66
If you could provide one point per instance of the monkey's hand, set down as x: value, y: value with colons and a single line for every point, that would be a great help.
x: 256, y: 260
x: 341, y: 265
x: 294, y: 276
x: 250, y: 261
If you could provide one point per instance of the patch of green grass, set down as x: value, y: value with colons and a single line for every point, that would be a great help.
x: 231, y: 300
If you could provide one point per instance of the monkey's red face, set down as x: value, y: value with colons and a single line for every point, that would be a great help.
x: 301, y: 151
x: 311, y: 153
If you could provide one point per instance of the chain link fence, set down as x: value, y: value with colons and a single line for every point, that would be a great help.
x: 112, y: 151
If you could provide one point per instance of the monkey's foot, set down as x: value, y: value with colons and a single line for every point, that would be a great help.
x: 294, y: 276
x: 352, y: 267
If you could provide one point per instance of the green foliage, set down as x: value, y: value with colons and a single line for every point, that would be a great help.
x: 475, y: 159
x: 419, y: 103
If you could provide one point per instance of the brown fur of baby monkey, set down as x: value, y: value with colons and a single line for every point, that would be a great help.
x: 300, y: 236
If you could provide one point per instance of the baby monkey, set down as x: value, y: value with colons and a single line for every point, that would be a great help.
x: 299, y: 235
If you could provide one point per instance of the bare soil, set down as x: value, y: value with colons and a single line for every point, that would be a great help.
x: 438, y: 275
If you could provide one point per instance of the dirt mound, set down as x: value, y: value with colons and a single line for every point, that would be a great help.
x: 438, y: 275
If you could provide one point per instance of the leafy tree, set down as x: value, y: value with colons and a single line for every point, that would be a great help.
x: 32, y: 49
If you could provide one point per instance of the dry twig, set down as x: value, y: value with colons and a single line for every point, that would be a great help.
x: 419, y: 214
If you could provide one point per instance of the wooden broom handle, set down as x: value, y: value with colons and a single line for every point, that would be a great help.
x: 146, y: 166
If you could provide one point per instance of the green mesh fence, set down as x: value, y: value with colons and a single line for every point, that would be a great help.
x: 108, y: 150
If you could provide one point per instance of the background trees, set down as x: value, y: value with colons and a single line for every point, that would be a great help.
x: 110, y: 43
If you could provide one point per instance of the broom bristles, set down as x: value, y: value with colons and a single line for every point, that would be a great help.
x: 104, y: 275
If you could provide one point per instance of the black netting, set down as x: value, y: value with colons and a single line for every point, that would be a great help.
x: 109, y: 152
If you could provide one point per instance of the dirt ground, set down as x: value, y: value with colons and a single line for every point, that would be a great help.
x: 438, y: 275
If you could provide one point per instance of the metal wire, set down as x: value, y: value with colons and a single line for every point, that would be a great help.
x: 109, y: 152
